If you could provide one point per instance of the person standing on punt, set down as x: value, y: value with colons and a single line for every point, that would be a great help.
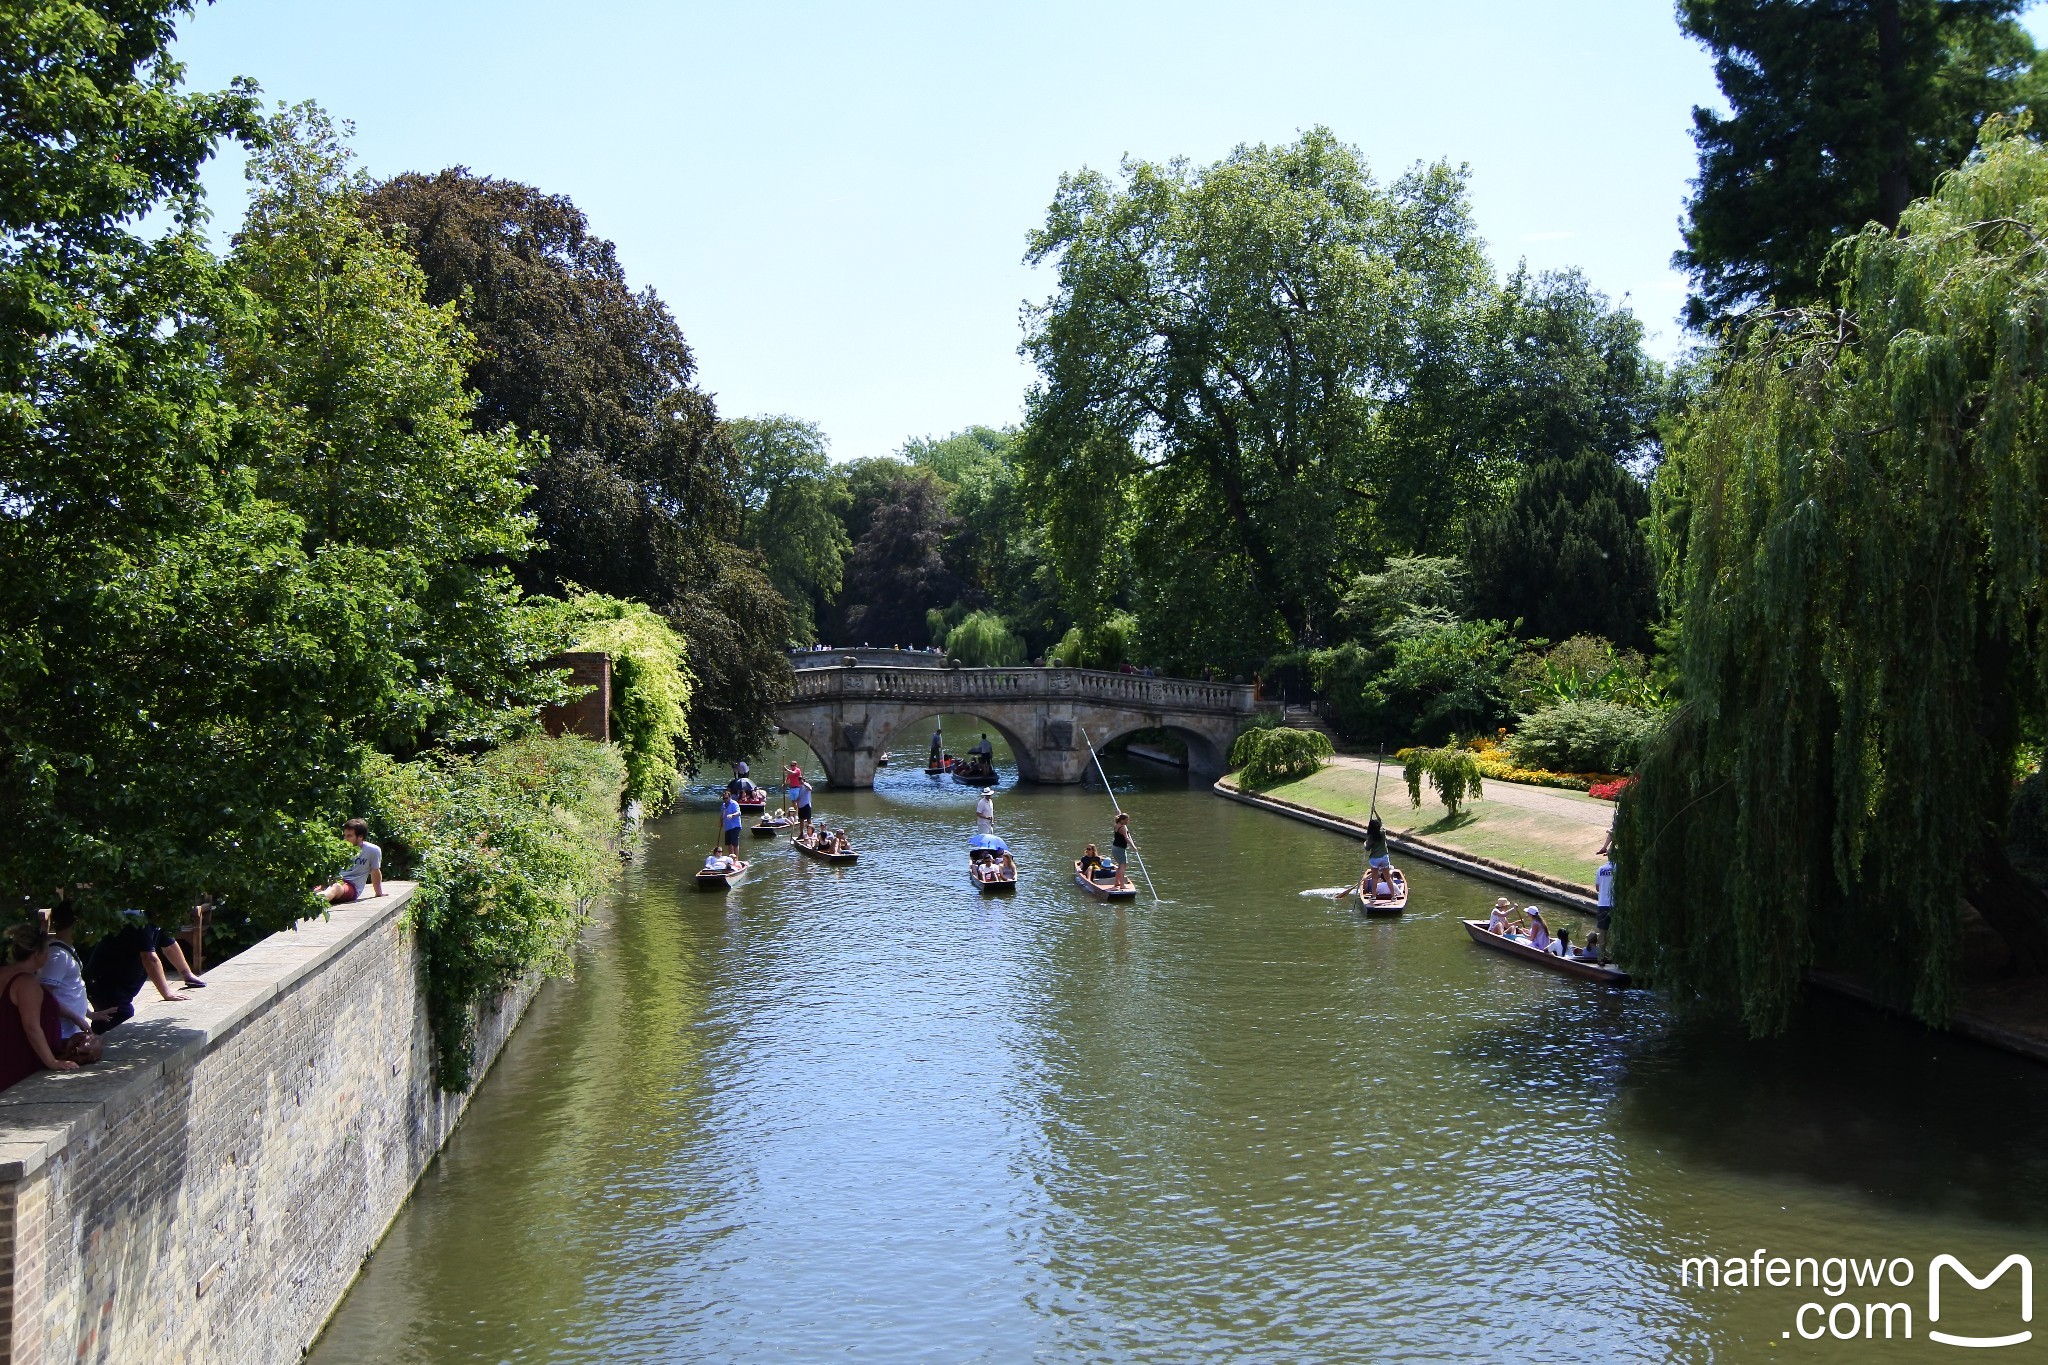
x: 1603, y: 882
x: 1376, y: 843
x: 938, y: 747
x: 1120, y: 845
x: 803, y: 809
x: 985, y: 812
x: 730, y: 814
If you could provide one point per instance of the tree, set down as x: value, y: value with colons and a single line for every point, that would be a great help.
x: 1842, y: 111
x: 897, y: 571
x: 638, y: 493
x: 1254, y: 356
x: 793, y: 500
x: 1567, y: 554
x: 1858, y: 516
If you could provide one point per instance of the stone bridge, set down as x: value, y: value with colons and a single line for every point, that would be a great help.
x: 849, y: 716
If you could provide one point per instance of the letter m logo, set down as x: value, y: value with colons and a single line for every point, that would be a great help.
x: 2026, y: 1298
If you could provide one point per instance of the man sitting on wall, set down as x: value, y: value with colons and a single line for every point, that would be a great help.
x: 123, y: 960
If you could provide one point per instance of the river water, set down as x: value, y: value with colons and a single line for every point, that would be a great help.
x: 868, y: 1113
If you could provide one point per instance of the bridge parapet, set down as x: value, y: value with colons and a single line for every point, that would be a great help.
x: 849, y: 716
x: 1026, y: 684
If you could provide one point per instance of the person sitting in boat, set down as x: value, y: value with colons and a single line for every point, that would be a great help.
x: 1501, y: 923
x: 720, y: 861
x: 1595, y: 946
x: 1091, y: 863
x: 840, y: 843
x: 1561, y: 946
x: 1539, y: 932
x: 1007, y: 866
x: 1382, y: 884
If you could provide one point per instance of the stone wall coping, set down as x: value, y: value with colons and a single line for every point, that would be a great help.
x: 42, y: 1115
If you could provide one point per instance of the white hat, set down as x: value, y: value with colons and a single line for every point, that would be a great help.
x: 988, y: 791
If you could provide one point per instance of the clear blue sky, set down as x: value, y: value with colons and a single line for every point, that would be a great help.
x: 833, y: 198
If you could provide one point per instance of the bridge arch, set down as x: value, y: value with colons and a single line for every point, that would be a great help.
x: 850, y: 715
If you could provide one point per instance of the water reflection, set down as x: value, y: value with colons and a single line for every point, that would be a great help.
x: 867, y: 1111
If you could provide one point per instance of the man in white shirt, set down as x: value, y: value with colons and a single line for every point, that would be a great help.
x: 365, y: 870
x: 985, y: 812
x: 1603, y: 883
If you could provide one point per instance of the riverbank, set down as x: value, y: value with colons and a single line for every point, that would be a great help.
x: 1533, y: 839
x: 210, y: 1189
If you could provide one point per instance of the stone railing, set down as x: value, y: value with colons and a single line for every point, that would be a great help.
x: 1131, y: 690
x: 804, y: 659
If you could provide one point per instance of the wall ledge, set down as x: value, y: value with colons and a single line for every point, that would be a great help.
x: 49, y: 1111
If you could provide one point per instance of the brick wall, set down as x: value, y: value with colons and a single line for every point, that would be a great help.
x: 590, y: 715
x: 208, y: 1192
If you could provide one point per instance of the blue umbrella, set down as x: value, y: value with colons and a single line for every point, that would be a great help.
x: 988, y: 842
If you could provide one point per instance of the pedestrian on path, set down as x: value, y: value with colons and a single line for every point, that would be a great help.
x: 985, y: 812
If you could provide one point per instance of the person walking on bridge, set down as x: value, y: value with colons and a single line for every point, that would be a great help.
x: 985, y: 812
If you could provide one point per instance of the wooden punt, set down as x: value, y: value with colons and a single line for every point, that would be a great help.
x: 1570, y: 966
x: 935, y: 769
x: 708, y: 880
x: 1100, y: 891
x: 1368, y: 904
x: 847, y: 859
x: 990, y: 886
x: 765, y: 826
x: 757, y: 799
x: 973, y: 776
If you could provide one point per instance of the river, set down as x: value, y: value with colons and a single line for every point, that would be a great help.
x: 869, y: 1113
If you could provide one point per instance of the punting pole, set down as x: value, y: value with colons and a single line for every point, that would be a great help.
x: 1136, y: 852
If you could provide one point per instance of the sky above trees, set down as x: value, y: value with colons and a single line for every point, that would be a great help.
x: 835, y: 203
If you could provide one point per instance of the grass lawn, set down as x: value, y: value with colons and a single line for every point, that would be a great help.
x: 1538, y: 839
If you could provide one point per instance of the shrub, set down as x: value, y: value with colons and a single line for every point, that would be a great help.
x: 1583, y: 736
x: 1108, y: 645
x: 508, y: 847
x: 981, y: 640
x: 1584, y: 668
x: 1452, y: 771
x: 1269, y: 754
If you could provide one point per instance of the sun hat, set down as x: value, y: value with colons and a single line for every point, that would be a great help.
x: 988, y: 791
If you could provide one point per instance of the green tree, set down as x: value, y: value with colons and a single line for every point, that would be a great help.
x: 1841, y: 112
x: 981, y: 640
x: 898, y: 572
x: 1566, y: 555
x: 638, y: 493
x: 1863, y: 515
x: 1255, y: 354
x: 793, y: 500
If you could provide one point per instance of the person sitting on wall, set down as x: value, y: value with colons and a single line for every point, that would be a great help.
x: 366, y: 869
x: 29, y: 1016
x: 63, y: 977
x: 123, y: 960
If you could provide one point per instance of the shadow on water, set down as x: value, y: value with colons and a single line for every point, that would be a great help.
x: 1849, y: 1099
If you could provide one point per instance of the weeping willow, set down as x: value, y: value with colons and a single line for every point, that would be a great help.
x: 1853, y: 530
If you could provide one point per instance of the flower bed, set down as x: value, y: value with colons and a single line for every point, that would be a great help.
x: 1495, y: 766
x: 1610, y: 791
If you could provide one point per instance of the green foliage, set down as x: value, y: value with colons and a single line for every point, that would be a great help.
x: 638, y: 491
x: 1858, y: 532
x: 1583, y: 736
x: 1441, y: 677
x: 1452, y: 773
x: 1406, y: 588
x: 1566, y: 554
x: 1840, y: 114
x: 249, y: 531
x: 897, y: 572
x: 1583, y: 668
x: 650, y: 689
x: 981, y: 640
x: 1262, y: 377
x: 508, y: 848
x: 793, y: 501
x: 1110, y: 644
x: 1265, y: 755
